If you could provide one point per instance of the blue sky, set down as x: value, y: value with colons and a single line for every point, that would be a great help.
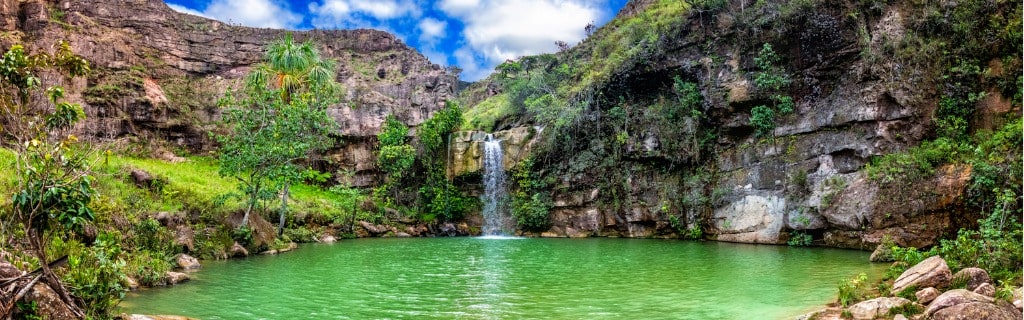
x: 475, y: 35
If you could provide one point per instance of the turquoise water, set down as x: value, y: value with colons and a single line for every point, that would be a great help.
x: 473, y: 278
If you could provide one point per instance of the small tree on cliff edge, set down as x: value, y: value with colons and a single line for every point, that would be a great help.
x: 280, y: 119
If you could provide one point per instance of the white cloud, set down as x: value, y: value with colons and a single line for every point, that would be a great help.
x: 360, y: 13
x: 253, y: 13
x: 496, y: 30
x: 183, y: 9
x: 432, y: 29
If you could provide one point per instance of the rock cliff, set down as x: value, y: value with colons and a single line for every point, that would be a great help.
x: 158, y: 73
x: 865, y: 79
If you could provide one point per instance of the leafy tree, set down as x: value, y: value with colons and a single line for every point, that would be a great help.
x: 280, y: 120
x: 53, y: 186
x: 396, y: 156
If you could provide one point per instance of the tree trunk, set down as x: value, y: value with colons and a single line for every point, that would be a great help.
x: 248, y: 209
x: 283, y: 211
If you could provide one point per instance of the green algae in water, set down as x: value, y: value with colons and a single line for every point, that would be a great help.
x: 472, y: 278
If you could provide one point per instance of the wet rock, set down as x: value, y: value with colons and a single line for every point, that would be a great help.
x: 973, y: 277
x: 1018, y: 301
x: 926, y: 295
x: 954, y: 297
x: 932, y: 272
x: 154, y: 317
x: 237, y: 250
x: 291, y: 246
x: 174, y: 278
x: 976, y: 311
x: 187, y: 262
x: 986, y: 289
x: 373, y: 229
x: 870, y: 309
x: 402, y: 235
x: 328, y: 239
x: 899, y: 317
x: 131, y: 283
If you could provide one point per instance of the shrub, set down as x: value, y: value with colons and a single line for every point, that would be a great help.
x: 800, y: 239
x: 531, y: 211
x: 852, y: 290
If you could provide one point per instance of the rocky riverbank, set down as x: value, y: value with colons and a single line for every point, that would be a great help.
x: 929, y: 290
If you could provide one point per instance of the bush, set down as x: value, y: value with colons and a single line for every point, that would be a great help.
x: 852, y: 290
x: 531, y: 211
x: 147, y: 267
x: 799, y: 239
x: 94, y: 274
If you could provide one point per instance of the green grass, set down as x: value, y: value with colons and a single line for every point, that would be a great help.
x: 484, y: 115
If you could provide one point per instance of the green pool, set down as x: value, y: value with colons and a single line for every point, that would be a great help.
x: 473, y: 278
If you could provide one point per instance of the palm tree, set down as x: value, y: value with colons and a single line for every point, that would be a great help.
x: 294, y: 70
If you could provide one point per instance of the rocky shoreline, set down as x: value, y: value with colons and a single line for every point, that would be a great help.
x: 929, y: 290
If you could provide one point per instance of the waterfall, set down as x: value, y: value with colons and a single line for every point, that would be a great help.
x: 495, y: 222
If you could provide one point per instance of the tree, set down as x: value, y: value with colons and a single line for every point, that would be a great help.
x: 280, y: 119
x: 53, y: 185
x: 395, y: 156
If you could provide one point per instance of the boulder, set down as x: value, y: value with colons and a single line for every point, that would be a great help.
x: 291, y: 246
x: 131, y: 283
x: 50, y: 304
x: 174, y: 278
x: 373, y: 229
x: 1018, y: 300
x: 932, y: 272
x: 986, y: 289
x: 142, y: 178
x: 976, y: 311
x: 899, y: 317
x: 954, y: 297
x: 882, y: 253
x: 237, y: 250
x: 8, y: 270
x: 402, y: 235
x: 973, y: 277
x: 870, y: 309
x: 926, y: 295
x: 328, y: 239
x: 187, y: 262
x: 185, y: 237
x: 156, y: 317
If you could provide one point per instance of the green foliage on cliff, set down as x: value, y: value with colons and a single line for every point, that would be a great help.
x: 993, y: 190
x: 531, y: 202
x: 395, y: 156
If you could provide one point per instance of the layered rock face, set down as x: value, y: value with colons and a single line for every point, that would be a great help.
x: 853, y: 101
x: 157, y: 73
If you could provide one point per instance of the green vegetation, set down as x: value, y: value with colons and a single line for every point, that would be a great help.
x: 772, y: 80
x: 531, y: 203
x: 280, y: 120
x: 439, y: 198
x: 53, y: 189
x: 395, y: 156
x: 852, y: 290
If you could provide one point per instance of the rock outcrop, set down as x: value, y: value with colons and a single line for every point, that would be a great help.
x: 874, y: 308
x: 932, y: 272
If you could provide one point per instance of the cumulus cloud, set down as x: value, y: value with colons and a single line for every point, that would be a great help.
x: 253, y: 13
x: 360, y: 13
x: 432, y: 29
x: 496, y: 30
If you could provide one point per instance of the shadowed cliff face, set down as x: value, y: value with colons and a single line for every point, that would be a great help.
x: 861, y: 88
x: 158, y: 73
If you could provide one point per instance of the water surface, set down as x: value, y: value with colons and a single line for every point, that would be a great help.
x: 473, y: 278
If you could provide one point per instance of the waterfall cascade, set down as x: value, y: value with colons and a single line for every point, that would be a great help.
x: 495, y: 219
